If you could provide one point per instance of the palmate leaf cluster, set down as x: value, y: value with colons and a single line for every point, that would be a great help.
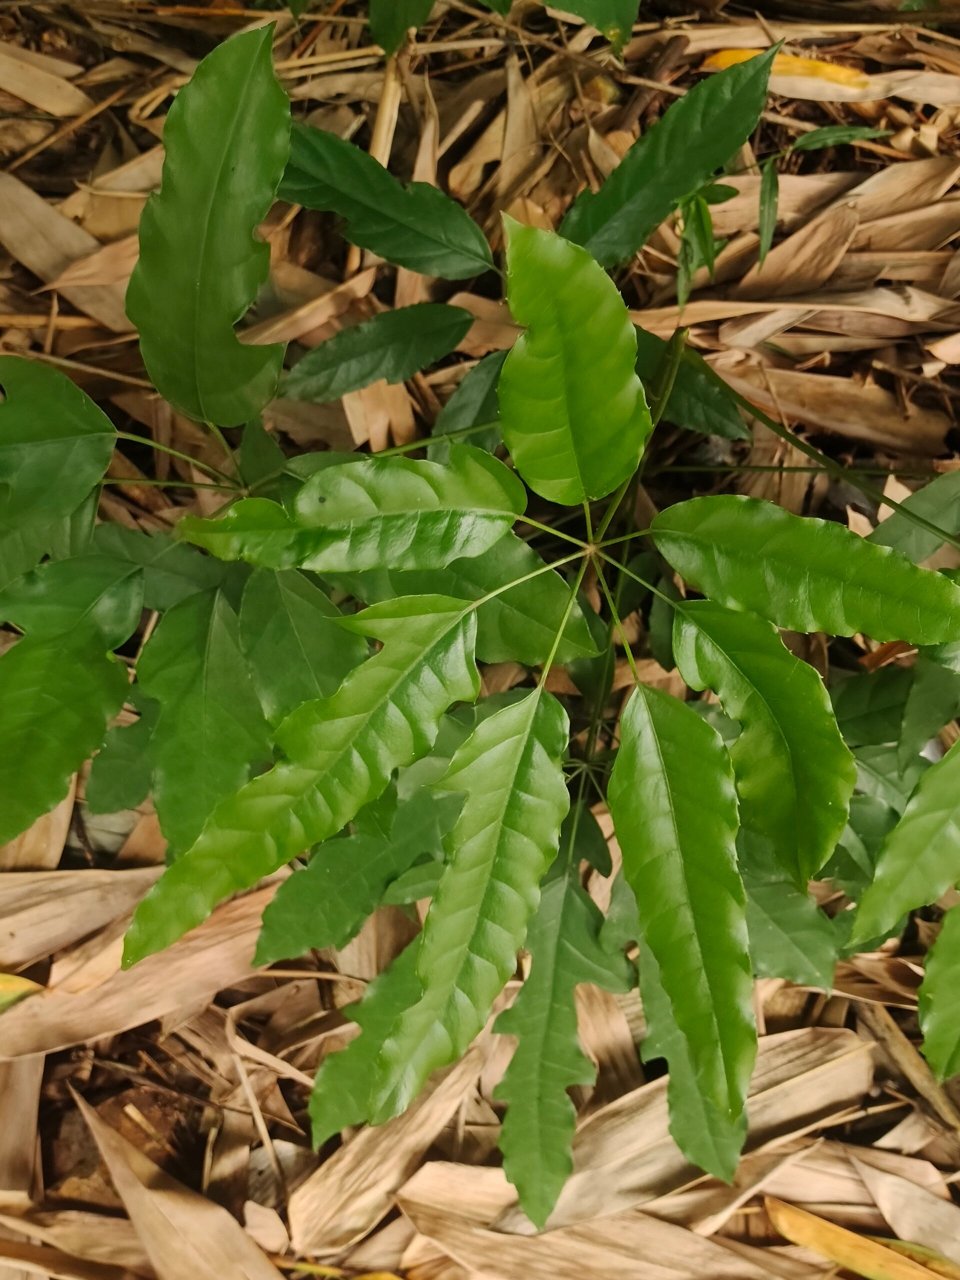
x: 308, y: 694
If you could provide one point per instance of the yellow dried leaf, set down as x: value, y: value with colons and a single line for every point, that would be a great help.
x: 786, y: 64
x: 854, y: 1253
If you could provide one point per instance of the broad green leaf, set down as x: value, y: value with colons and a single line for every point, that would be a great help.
x: 920, y: 859
x: 171, y: 570
x: 933, y: 700
x: 339, y: 755
x: 421, y: 881
x: 391, y: 19
x: 393, y: 346
x: 835, y: 135
x: 510, y: 773
x: 769, y: 208
x: 94, y: 594
x: 565, y: 950
x: 259, y: 457
x: 325, y: 905
x: 519, y: 625
x: 294, y: 647
x: 853, y: 864
x: 794, y: 774
x: 674, y: 807
x: 869, y: 707
x: 670, y: 161
x: 374, y: 512
x: 940, y: 1000
x: 881, y: 775
x: 121, y: 772
x: 790, y: 937
x: 615, y: 18
x: 342, y: 1093
x: 211, y: 729
x: 574, y: 413
x: 473, y: 404
x: 698, y: 399
x: 57, y: 697
x: 417, y: 227
x: 804, y: 574
x: 227, y: 138
x: 54, y: 445
x: 938, y: 502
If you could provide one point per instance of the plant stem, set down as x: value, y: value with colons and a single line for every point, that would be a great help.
x: 618, y: 624
x: 563, y: 624
x: 168, y: 484
x: 175, y: 453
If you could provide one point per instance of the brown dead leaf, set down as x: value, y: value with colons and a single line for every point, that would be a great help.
x: 805, y: 260
x: 915, y: 1214
x: 20, y: 1090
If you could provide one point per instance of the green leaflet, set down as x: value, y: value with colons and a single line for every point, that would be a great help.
x: 417, y: 227
x: 391, y: 19
x: 294, y: 647
x: 171, y: 570
x: 835, y: 135
x: 669, y: 162
x: 795, y: 776
x: 769, y: 208
x: 92, y: 594
x: 812, y: 575
x: 574, y: 413
x: 340, y: 753
x: 201, y: 264
x: 473, y: 404
x: 933, y: 700
x: 259, y: 457
x: 211, y: 729
x: 565, y: 949
x: 615, y: 18
x: 420, y: 881
x: 393, y: 345
x: 869, y: 707
x: 515, y: 799
x: 938, y: 502
x: 121, y: 772
x: 674, y: 807
x: 325, y: 905
x: 790, y: 937
x: 374, y: 511
x: 698, y: 399
x: 920, y: 859
x: 940, y: 1000
x: 57, y: 696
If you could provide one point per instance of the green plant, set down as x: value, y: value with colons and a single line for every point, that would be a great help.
x: 277, y: 726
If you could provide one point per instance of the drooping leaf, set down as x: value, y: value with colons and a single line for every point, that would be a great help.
x: 295, y: 649
x: 171, y: 570
x: 391, y: 19
x: 325, y: 905
x: 804, y: 574
x: 933, y: 700
x: 227, y: 139
x: 670, y: 161
x: 211, y: 728
x: 91, y: 593
x: 769, y: 208
x: 57, y: 696
x: 510, y: 773
x: 340, y: 753
x: 122, y: 770
x: 615, y: 18
x: 938, y: 502
x: 519, y: 625
x: 574, y: 413
x: 698, y: 400
x: 795, y: 776
x: 473, y: 404
x: 565, y: 950
x: 920, y: 859
x: 835, y: 135
x: 940, y: 1000
x: 417, y: 227
x: 869, y: 707
x: 674, y: 807
x: 374, y: 512
x: 393, y: 345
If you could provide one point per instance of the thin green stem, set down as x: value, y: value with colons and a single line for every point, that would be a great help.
x: 588, y: 520
x: 618, y: 624
x: 527, y: 577
x: 175, y: 453
x: 555, y: 533
x: 168, y: 484
x: 411, y: 446
x: 624, y: 537
x: 551, y: 656
x: 228, y: 453
x: 617, y: 564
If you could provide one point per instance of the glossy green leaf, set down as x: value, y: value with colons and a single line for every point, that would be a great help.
x: 390, y: 20
x: 417, y: 227
x: 393, y: 346
x: 615, y: 18
x: 938, y: 502
x: 671, y: 160
x: 869, y: 707
x: 340, y: 753
x: 933, y: 701
x: 211, y: 729
x: 565, y: 950
x: 795, y: 776
x: 325, y: 905
x: 940, y: 1000
x: 698, y: 399
x: 574, y: 413
x: 294, y: 647
x: 510, y: 773
x: 171, y: 570
x: 227, y: 138
x: 122, y: 771
x: 920, y: 859
x: 790, y: 937
x: 835, y: 135
x: 769, y: 208
x: 473, y: 404
x: 91, y: 593
x: 674, y: 807
x: 57, y: 697
x: 804, y: 574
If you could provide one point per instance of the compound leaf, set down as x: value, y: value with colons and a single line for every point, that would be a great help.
x: 57, y: 696
x: 795, y: 776
x: 417, y: 227
x: 211, y: 728
x: 390, y: 20
x: 340, y: 753
x: 227, y: 139
x: 393, y: 346
x: 804, y: 574
x: 510, y: 773
x: 573, y: 410
x: 565, y: 950
x: 669, y: 162
x: 674, y: 807
x: 940, y: 999
x: 92, y: 593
